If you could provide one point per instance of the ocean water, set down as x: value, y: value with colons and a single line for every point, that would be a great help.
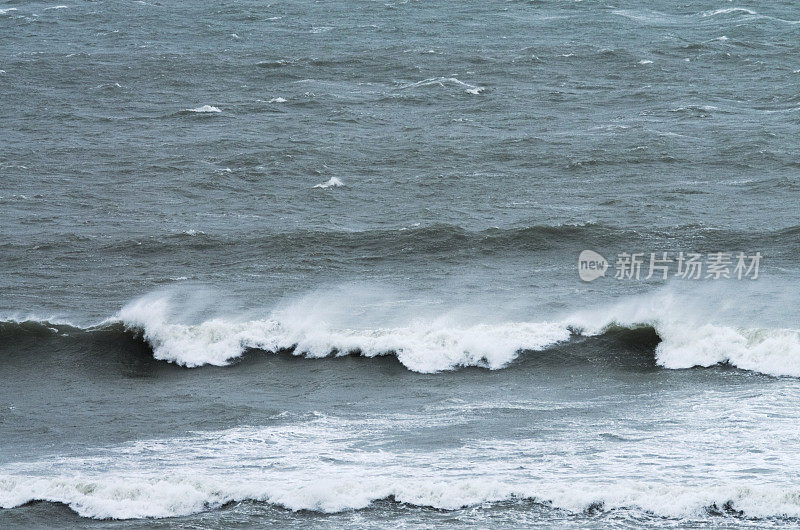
x: 315, y: 264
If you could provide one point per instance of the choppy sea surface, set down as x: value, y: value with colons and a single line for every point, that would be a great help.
x: 314, y: 264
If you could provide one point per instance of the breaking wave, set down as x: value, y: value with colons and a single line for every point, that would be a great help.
x: 333, y: 182
x: 120, y: 497
x: 678, y: 340
x: 428, y: 346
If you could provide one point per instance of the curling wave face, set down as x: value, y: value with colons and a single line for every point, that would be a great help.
x: 422, y: 347
x: 427, y: 345
x: 439, y: 344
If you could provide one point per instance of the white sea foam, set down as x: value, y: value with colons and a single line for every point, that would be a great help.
x: 443, y: 81
x: 205, y: 109
x: 726, y: 11
x: 134, y: 497
x: 689, y: 336
x: 19, y: 318
x: 423, y: 346
x: 692, y: 335
x: 277, y: 100
x: 320, y: 324
x: 769, y: 351
x: 7, y: 10
x: 332, y: 183
x: 321, y: 464
x: 695, y: 108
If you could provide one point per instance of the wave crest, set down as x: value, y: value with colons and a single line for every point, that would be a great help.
x: 659, y: 326
x: 427, y: 346
x: 150, y: 497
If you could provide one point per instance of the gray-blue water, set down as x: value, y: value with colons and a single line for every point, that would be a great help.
x: 316, y: 263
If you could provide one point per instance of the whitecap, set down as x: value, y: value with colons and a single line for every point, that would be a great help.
x: 332, y: 183
x: 726, y: 11
x: 205, y: 109
x: 443, y: 81
x: 424, y: 346
x: 206, y: 470
x: 690, y: 338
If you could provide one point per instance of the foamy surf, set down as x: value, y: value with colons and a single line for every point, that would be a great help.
x: 436, y: 344
x: 695, y: 332
x: 138, y: 497
x: 425, y: 346
x: 317, y: 463
x: 193, y: 333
